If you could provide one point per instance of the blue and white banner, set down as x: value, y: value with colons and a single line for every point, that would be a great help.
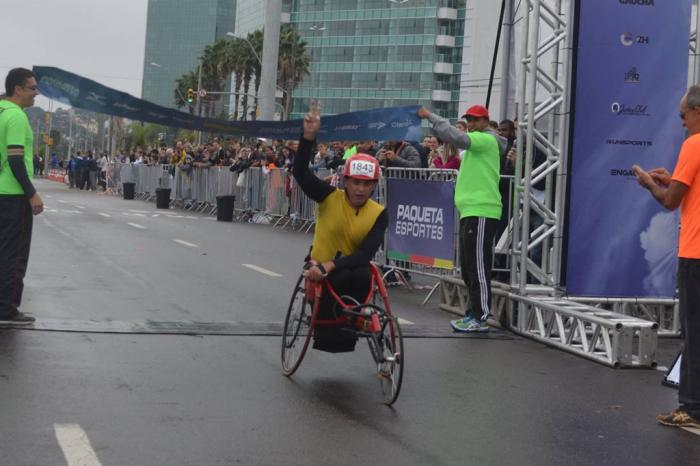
x: 421, y: 222
x: 395, y: 123
x: 631, y: 73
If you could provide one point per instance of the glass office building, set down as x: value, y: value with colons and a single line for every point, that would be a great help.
x: 176, y: 34
x: 379, y: 53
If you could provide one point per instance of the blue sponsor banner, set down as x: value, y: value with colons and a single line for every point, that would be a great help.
x: 631, y: 74
x: 421, y: 222
x: 395, y: 123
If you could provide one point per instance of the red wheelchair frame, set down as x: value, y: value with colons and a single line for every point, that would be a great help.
x: 367, y: 319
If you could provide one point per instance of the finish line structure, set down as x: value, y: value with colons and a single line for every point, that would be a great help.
x: 615, y: 331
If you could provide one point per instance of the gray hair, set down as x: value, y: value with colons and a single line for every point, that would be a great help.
x: 693, y: 96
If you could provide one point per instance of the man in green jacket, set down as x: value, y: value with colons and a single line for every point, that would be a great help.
x: 18, y: 198
x: 479, y: 203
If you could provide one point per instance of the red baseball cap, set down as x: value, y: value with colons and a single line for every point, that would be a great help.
x: 478, y: 111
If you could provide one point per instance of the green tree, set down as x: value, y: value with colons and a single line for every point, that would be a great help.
x: 143, y: 135
x: 185, y: 135
x: 293, y: 63
x: 217, y: 64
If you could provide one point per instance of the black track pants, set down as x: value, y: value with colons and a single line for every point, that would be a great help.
x: 476, y: 251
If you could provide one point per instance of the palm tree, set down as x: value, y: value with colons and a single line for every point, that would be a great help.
x: 235, y: 50
x: 293, y: 63
x: 255, y: 39
x: 251, y: 68
x: 216, y: 67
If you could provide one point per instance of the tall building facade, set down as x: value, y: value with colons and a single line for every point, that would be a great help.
x: 176, y: 34
x: 380, y: 53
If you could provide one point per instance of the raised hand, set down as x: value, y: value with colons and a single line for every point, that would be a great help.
x: 312, y: 124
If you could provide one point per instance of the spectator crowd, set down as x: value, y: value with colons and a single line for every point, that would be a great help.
x: 86, y: 170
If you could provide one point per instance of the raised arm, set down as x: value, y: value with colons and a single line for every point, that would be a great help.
x: 445, y: 131
x: 312, y: 186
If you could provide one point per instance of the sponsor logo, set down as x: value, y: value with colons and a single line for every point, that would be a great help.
x: 626, y: 110
x: 630, y: 38
x: 632, y: 76
x: 420, y: 222
x: 626, y: 172
x: 637, y: 2
x: 628, y: 142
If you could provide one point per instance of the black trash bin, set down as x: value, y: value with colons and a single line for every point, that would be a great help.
x: 163, y: 198
x: 224, y: 208
x: 128, y: 189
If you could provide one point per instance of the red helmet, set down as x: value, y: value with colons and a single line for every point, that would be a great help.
x: 362, y: 167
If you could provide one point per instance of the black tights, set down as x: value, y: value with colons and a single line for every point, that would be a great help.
x: 349, y: 282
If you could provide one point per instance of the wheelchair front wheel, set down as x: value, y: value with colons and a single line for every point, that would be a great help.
x: 297, y: 330
x: 388, y: 351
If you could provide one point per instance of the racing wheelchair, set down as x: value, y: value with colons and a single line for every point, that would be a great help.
x: 371, y: 319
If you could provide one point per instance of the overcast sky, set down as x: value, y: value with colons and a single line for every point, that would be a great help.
x: 100, y: 39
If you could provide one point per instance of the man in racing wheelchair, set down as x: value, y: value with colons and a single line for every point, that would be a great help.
x: 349, y: 229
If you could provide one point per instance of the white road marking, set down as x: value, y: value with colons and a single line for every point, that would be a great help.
x: 662, y: 368
x: 140, y: 211
x: 261, y: 270
x: 175, y: 216
x: 692, y: 430
x: 50, y: 210
x: 80, y: 206
x: 136, y: 225
x: 190, y: 216
x: 103, y: 214
x: 127, y: 214
x: 49, y: 197
x: 155, y: 215
x: 71, y: 211
x: 185, y: 243
x: 62, y: 201
x: 405, y: 322
x: 75, y: 445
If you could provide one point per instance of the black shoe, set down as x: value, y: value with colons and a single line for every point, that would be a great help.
x: 18, y: 319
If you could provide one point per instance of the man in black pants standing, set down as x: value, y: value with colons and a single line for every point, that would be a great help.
x: 682, y: 189
x: 18, y: 198
x: 479, y: 203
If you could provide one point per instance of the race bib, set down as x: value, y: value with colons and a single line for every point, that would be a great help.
x: 362, y: 168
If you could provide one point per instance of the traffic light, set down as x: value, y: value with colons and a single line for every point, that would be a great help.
x: 190, y: 95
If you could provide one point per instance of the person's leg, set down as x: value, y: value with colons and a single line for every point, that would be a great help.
x: 351, y: 282
x: 689, y: 298
x: 345, y: 282
x: 467, y: 255
x: 15, y: 239
x: 476, y: 242
x: 480, y: 291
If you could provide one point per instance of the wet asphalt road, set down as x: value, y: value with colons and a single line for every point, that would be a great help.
x: 102, y: 263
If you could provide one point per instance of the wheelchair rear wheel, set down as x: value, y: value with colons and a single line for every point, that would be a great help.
x: 297, y: 330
